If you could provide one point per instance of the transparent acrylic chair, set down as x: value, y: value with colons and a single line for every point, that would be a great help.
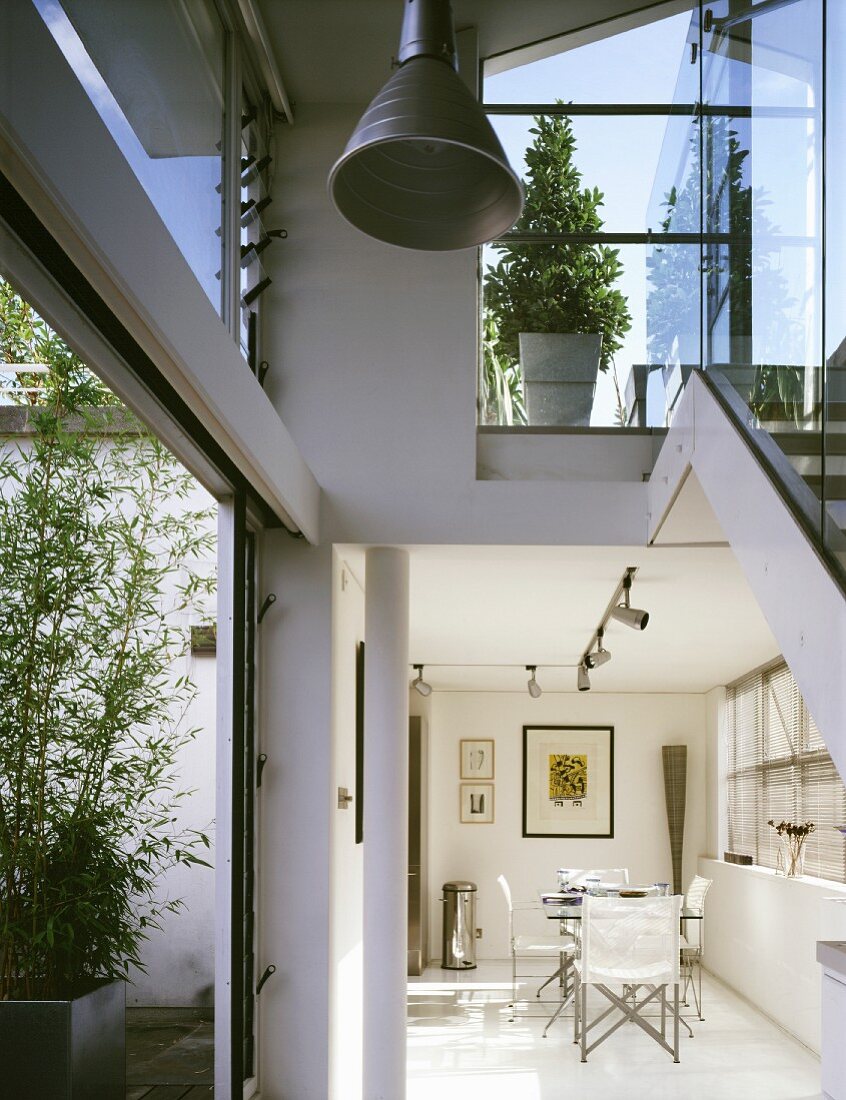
x: 693, y: 941
x: 532, y: 944
x: 610, y: 874
x: 627, y: 945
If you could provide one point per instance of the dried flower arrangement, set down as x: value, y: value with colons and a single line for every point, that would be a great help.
x: 793, y: 837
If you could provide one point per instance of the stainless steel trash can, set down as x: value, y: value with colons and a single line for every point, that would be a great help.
x: 458, y: 948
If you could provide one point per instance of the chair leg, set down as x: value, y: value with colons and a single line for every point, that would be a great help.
x: 512, y: 1006
x: 663, y: 1012
x: 583, y: 1020
x: 576, y: 999
x: 675, y: 1021
x: 699, y: 983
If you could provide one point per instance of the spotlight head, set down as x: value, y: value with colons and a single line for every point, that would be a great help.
x: 533, y: 686
x: 597, y: 658
x: 583, y: 679
x: 635, y: 617
x: 419, y: 684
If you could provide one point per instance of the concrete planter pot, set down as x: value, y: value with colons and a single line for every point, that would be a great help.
x: 65, y: 1050
x: 559, y: 376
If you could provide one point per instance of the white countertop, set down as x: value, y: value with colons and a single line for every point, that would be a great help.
x: 832, y: 955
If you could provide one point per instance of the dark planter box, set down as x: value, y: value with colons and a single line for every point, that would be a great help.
x: 65, y: 1050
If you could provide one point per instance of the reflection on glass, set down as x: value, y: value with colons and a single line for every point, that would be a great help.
x: 835, y: 287
x: 154, y: 72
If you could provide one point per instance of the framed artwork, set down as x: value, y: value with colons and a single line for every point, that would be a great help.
x: 477, y: 803
x: 477, y: 759
x: 568, y: 781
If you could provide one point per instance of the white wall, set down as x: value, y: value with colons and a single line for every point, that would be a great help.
x: 761, y: 933
x: 374, y: 365
x: 642, y: 724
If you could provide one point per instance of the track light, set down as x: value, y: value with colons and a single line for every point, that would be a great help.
x: 424, y: 168
x: 635, y: 617
x: 600, y: 655
x: 583, y: 680
x: 533, y: 686
x: 419, y: 684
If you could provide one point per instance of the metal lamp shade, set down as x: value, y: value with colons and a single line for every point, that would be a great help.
x: 424, y: 168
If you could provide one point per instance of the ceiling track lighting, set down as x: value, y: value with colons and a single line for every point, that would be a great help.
x: 619, y: 608
x: 419, y: 684
x: 534, y: 687
x: 424, y: 168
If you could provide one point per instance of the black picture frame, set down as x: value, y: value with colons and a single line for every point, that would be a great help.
x: 358, y: 802
x: 603, y: 738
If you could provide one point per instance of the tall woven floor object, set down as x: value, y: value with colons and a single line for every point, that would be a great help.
x: 675, y: 792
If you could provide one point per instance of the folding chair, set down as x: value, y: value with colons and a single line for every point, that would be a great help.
x: 631, y: 943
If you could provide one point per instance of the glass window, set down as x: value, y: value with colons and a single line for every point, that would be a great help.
x: 779, y: 769
x: 155, y: 73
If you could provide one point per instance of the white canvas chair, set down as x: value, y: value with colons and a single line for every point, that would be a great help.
x: 631, y: 944
x: 530, y: 944
x: 693, y: 941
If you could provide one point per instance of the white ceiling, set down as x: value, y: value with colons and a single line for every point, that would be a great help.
x: 340, y: 51
x: 500, y: 606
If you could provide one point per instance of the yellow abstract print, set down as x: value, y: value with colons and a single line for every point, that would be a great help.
x: 567, y: 776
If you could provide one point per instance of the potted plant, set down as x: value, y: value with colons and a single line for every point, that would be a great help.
x: 89, y: 716
x: 555, y: 305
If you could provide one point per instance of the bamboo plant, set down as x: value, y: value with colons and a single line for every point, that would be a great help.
x: 94, y: 534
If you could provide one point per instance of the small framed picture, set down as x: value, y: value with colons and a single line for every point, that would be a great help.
x: 477, y: 803
x: 477, y: 759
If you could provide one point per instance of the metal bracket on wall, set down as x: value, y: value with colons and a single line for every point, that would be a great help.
x: 344, y: 798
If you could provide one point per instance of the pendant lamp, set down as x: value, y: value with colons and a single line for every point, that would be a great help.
x: 424, y: 168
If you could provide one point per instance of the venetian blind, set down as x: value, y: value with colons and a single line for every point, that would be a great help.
x: 779, y: 768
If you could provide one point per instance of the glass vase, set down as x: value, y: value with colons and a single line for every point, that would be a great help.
x: 790, y: 858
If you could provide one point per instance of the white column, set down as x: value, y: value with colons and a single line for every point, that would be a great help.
x: 385, y: 822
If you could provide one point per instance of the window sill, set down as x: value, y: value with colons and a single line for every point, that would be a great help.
x: 835, y: 888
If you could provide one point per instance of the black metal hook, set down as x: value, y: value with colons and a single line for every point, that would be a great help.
x: 261, y: 760
x: 269, y: 970
x: 269, y: 601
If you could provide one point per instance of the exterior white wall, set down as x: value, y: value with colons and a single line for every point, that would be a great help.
x: 642, y: 724
x: 179, y: 959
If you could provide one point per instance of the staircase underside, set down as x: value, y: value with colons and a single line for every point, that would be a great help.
x: 791, y: 577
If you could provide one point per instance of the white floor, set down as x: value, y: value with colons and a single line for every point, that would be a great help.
x: 461, y: 1046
